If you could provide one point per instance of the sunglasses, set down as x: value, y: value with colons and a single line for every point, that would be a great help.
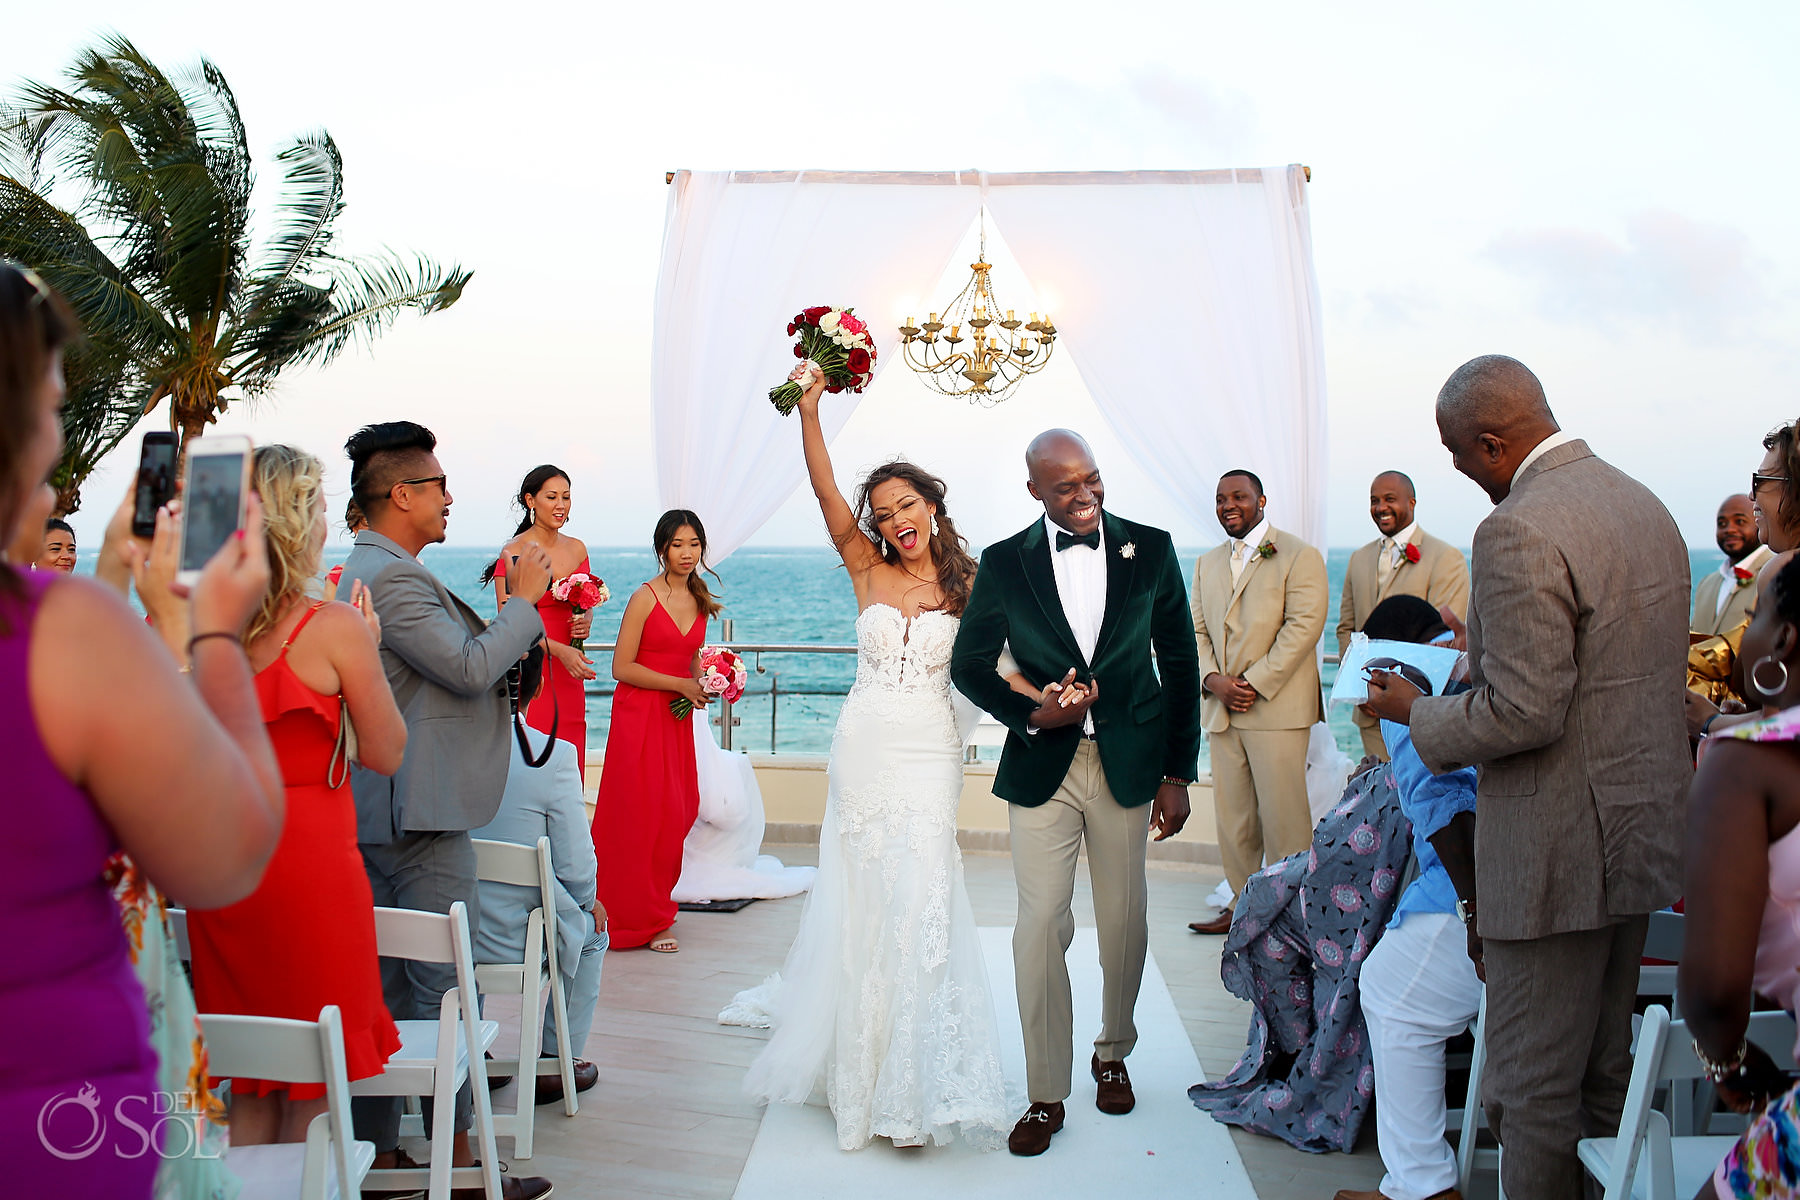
x: 40, y: 290
x: 1757, y: 480
x: 1405, y: 671
x: 443, y: 481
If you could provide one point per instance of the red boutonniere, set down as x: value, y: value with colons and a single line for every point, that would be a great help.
x: 1410, y: 552
x: 1744, y: 577
x: 1266, y: 550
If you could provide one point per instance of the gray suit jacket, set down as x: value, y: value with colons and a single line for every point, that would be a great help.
x: 541, y: 802
x: 448, y: 673
x: 1578, y: 644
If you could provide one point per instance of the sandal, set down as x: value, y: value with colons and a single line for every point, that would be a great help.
x: 664, y: 943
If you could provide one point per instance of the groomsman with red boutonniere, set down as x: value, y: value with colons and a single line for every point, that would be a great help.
x: 1259, y: 603
x: 1403, y: 561
x: 1722, y: 599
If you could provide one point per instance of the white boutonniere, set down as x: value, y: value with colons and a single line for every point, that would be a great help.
x: 1128, y: 550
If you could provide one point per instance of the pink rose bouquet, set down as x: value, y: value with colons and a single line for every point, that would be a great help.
x: 836, y: 343
x: 722, y: 673
x: 581, y: 592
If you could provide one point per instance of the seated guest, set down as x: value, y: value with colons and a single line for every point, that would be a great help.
x: 1743, y: 888
x: 546, y: 802
x: 1420, y: 987
x: 1294, y: 950
x: 306, y: 937
x: 58, y: 553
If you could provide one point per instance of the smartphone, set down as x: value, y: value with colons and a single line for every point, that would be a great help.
x: 155, y: 481
x: 213, y: 492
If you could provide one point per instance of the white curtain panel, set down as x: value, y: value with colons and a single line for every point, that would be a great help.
x: 1188, y: 303
x: 742, y: 253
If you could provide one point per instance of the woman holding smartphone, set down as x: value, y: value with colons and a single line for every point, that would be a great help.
x: 177, y: 771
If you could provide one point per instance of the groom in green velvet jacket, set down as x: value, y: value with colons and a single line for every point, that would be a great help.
x: 1094, y: 611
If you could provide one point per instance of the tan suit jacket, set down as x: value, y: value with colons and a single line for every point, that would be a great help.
x: 1440, y: 577
x: 1578, y: 649
x: 1708, y: 617
x: 1266, y: 629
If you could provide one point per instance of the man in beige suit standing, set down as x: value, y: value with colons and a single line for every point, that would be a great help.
x: 1403, y: 561
x: 1722, y: 599
x: 1260, y: 601
x: 1577, y: 641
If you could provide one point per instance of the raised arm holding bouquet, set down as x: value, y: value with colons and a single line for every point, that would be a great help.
x: 837, y: 345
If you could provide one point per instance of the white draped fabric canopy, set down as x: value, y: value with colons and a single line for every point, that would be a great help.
x: 1187, y: 300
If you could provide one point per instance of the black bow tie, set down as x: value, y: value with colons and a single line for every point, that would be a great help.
x: 1065, y: 540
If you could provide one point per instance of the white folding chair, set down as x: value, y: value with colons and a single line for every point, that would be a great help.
x: 1643, y: 1160
x: 1664, y: 940
x: 178, y: 930
x: 434, y: 1056
x: 527, y: 866
x: 1468, y: 1156
x: 331, y: 1163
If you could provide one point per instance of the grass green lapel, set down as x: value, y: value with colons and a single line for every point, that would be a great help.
x: 1034, y: 557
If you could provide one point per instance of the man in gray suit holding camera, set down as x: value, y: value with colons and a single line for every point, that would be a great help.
x: 1577, y: 641
x: 448, y: 673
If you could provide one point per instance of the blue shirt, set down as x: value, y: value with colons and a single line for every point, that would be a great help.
x: 1429, y: 802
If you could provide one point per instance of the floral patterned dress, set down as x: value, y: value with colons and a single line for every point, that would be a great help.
x: 1303, y: 927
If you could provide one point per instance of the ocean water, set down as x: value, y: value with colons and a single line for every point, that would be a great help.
x: 796, y: 596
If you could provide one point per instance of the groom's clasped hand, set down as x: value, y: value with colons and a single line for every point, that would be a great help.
x: 1065, y: 703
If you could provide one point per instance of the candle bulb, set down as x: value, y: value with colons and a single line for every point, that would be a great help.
x: 1009, y: 315
x: 934, y: 318
x: 909, y: 322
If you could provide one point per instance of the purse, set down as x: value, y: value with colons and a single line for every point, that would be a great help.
x: 337, y: 771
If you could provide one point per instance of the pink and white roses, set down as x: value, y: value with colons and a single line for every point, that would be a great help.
x: 580, y: 592
x: 835, y: 342
x: 722, y: 673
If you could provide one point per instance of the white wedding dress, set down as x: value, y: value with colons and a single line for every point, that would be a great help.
x: 883, y: 1008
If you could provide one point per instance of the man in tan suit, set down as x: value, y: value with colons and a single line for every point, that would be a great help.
x: 1260, y: 601
x: 1722, y: 599
x: 1403, y: 561
x: 1577, y: 640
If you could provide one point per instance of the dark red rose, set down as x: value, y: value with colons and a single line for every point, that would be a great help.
x: 834, y: 388
x: 792, y: 328
x: 799, y: 350
x: 812, y: 315
x: 1411, y: 552
x: 858, y: 362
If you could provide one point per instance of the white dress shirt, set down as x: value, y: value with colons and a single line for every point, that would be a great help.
x: 1559, y: 438
x: 1081, y: 586
x: 1392, y: 545
x: 1242, y: 548
x: 1752, y: 562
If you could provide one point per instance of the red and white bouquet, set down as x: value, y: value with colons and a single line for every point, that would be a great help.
x: 722, y: 673
x: 581, y: 592
x: 835, y: 342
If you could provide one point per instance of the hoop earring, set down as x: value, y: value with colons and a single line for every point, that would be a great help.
x: 1763, y: 690
x: 934, y: 531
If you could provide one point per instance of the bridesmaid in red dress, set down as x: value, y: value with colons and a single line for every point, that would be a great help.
x: 305, y: 937
x: 649, y: 791
x: 544, y: 495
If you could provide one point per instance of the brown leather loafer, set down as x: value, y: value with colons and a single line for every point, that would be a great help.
x: 525, y: 1187
x: 549, y: 1087
x: 1346, y: 1194
x: 1219, y: 924
x: 1031, y: 1136
x: 1112, y: 1087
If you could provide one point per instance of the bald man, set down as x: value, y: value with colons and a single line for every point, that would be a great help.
x: 1722, y: 599
x: 1403, y: 561
x: 1577, y: 644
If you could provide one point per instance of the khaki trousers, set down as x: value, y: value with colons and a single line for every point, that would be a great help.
x: 1558, y: 1049
x: 1259, y: 798
x: 1046, y: 842
x: 1372, y: 740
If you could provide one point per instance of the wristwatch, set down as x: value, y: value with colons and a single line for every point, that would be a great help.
x: 1177, y: 782
x: 1465, y: 911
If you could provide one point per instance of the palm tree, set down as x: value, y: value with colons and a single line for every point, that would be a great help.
x: 154, y: 250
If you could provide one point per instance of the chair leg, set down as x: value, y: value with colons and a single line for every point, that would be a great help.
x: 485, y: 1149
x: 530, y: 1035
x: 565, y: 1052
x: 443, y: 1132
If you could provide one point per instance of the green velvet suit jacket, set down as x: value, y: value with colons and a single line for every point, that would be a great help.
x: 1147, y: 719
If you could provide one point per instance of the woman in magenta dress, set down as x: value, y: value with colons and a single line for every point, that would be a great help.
x: 544, y: 495
x: 649, y: 790
x: 175, y: 769
x: 306, y: 937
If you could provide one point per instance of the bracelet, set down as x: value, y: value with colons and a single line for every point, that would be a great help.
x: 217, y: 633
x: 1719, y: 1072
x: 1706, y: 725
x: 1177, y: 782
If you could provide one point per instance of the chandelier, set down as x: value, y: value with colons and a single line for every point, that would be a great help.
x: 1000, y: 353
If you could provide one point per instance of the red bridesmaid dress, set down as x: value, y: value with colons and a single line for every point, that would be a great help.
x: 305, y: 937
x: 649, y: 790
x: 565, y: 695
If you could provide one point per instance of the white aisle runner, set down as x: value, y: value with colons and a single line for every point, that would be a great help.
x: 1165, y: 1147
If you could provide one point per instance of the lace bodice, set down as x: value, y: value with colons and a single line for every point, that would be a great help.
x: 897, y: 655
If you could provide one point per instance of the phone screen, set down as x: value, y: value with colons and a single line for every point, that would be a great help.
x: 155, y: 483
x: 209, y: 506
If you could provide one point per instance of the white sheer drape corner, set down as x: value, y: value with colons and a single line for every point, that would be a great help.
x: 1187, y: 300
x: 740, y: 257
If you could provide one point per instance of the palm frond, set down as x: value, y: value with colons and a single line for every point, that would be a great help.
x: 312, y: 196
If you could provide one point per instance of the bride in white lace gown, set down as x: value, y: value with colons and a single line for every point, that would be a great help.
x: 883, y: 1008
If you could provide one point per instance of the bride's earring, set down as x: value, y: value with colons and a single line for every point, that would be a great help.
x: 1765, y: 690
x: 933, y: 524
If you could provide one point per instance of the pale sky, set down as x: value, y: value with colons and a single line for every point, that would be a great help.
x: 1603, y: 191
